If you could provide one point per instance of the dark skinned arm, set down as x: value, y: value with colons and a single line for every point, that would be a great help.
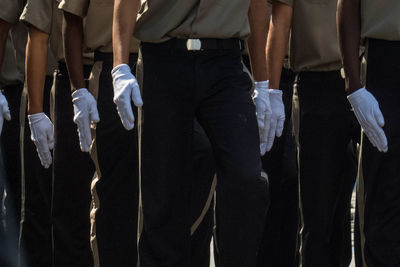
x: 349, y: 29
x: 72, y: 32
x: 4, y: 28
x: 257, y: 42
x: 35, y: 68
x: 125, y: 12
x: 279, y: 31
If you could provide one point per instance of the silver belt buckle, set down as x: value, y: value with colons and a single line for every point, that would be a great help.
x: 193, y: 44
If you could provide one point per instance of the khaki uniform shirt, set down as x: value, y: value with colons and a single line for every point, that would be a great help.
x: 314, y: 45
x: 380, y: 19
x: 46, y: 17
x: 13, y: 66
x: 98, y: 16
x: 161, y: 20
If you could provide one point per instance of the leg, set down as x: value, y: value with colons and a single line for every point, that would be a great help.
x: 36, y: 225
x: 202, y: 198
x: 73, y: 172
x: 381, y: 171
x: 227, y: 114
x: 167, y: 157
x: 115, y: 189
x: 325, y: 131
x: 12, y: 167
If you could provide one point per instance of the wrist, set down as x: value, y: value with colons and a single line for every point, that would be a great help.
x: 352, y: 86
x: 262, y: 85
x: 33, y: 109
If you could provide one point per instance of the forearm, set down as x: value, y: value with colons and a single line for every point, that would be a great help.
x: 35, y: 68
x: 278, y: 39
x: 4, y: 28
x: 125, y: 12
x: 72, y: 31
x: 349, y: 29
x: 257, y: 42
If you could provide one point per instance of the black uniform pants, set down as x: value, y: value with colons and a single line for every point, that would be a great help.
x: 10, y: 146
x: 35, y: 222
x: 211, y: 85
x: 279, y: 243
x: 73, y: 171
x: 115, y: 189
x: 381, y: 171
x: 116, y: 152
x: 327, y: 169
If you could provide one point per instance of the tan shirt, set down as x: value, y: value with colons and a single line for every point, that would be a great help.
x: 314, y: 45
x: 161, y: 20
x: 98, y: 16
x: 45, y: 16
x: 380, y: 19
x: 13, y: 66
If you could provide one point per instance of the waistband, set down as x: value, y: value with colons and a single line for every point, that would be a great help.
x: 107, y: 58
x: 318, y: 76
x: 195, y: 45
x: 62, y: 68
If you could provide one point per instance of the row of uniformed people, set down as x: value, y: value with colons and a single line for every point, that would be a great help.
x: 54, y: 228
x: 325, y: 234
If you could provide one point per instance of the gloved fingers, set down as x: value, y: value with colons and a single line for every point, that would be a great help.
x: 266, y: 129
x: 50, y: 137
x: 263, y: 148
x: 260, y: 121
x: 379, y: 137
x: 94, y: 114
x: 43, y: 151
x: 279, y: 126
x: 127, y: 118
x: 1, y: 123
x: 271, y: 134
x: 6, y: 112
x: 379, y: 117
x: 136, y: 97
x: 85, y: 137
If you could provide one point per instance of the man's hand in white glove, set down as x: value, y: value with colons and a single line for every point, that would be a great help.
x: 370, y: 117
x: 264, y: 112
x: 85, y: 112
x: 42, y: 136
x: 4, y: 111
x: 126, y: 89
x: 277, y: 117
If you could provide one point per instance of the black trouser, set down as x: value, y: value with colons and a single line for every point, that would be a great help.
x: 72, y: 175
x: 279, y: 243
x: 12, y: 166
x: 178, y: 86
x: 36, y: 225
x: 119, y: 179
x: 381, y: 171
x: 202, y: 199
x: 327, y: 171
x: 116, y: 188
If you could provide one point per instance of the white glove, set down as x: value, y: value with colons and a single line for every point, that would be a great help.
x: 4, y: 111
x: 370, y: 117
x: 277, y: 117
x: 42, y: 136
x: 126, y: 88
x: 264, y: 112
x: 85, y: 112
